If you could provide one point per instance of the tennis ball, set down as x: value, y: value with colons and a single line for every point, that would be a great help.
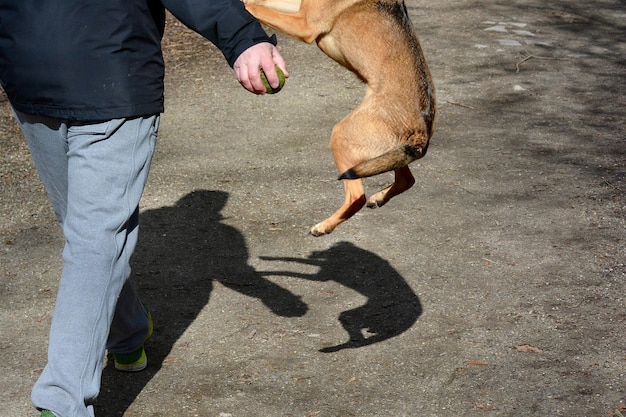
x: 281, y: 79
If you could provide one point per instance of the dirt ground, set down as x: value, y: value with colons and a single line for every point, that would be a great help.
x: 495, y: 287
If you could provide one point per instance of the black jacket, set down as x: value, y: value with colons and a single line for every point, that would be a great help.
x: 95, y: 60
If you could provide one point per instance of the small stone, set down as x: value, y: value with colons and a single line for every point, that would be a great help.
x: 497, y: 28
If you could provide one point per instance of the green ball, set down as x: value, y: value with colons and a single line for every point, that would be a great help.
x: 281, y: 79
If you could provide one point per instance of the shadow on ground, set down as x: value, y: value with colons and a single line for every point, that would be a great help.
x: 391, y: 308
x: 184, y: 248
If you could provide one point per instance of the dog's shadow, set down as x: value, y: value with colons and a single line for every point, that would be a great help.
x: 391, y: 307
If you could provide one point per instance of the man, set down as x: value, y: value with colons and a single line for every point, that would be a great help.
x: 85, y: 78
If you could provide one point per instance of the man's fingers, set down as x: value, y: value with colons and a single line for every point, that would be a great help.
x: 250, y: 79
x: 254, y: 74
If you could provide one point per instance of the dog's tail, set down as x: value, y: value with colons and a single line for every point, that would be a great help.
x: 394, y: 159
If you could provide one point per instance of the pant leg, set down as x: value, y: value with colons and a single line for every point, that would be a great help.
x: 130, y: 326
x: 107, y: 166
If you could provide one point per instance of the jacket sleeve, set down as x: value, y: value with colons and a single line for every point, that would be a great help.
x: 226, y: 23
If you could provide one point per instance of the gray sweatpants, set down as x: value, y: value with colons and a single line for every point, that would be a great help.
x: 94, y: 174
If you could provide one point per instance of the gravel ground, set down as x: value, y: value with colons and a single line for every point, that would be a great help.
x: 495, y: 287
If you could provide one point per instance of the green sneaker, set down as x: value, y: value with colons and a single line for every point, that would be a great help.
x: 131, y: 362
x: 46, y: 413
x: 135, y: 361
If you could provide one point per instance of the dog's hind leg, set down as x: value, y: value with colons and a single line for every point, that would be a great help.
x: 346, y: 154
x: 403, y: 181
x: 354, y: 201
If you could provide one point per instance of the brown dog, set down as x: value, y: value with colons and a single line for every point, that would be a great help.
x: 391, y: 128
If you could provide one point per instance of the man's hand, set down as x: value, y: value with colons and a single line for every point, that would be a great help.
x: 249, y: 64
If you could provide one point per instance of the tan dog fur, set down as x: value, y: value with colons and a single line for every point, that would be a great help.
x: 391, y: 128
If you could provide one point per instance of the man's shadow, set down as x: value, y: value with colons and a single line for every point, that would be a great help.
x: 181, y: 251
x: 391, y: 308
